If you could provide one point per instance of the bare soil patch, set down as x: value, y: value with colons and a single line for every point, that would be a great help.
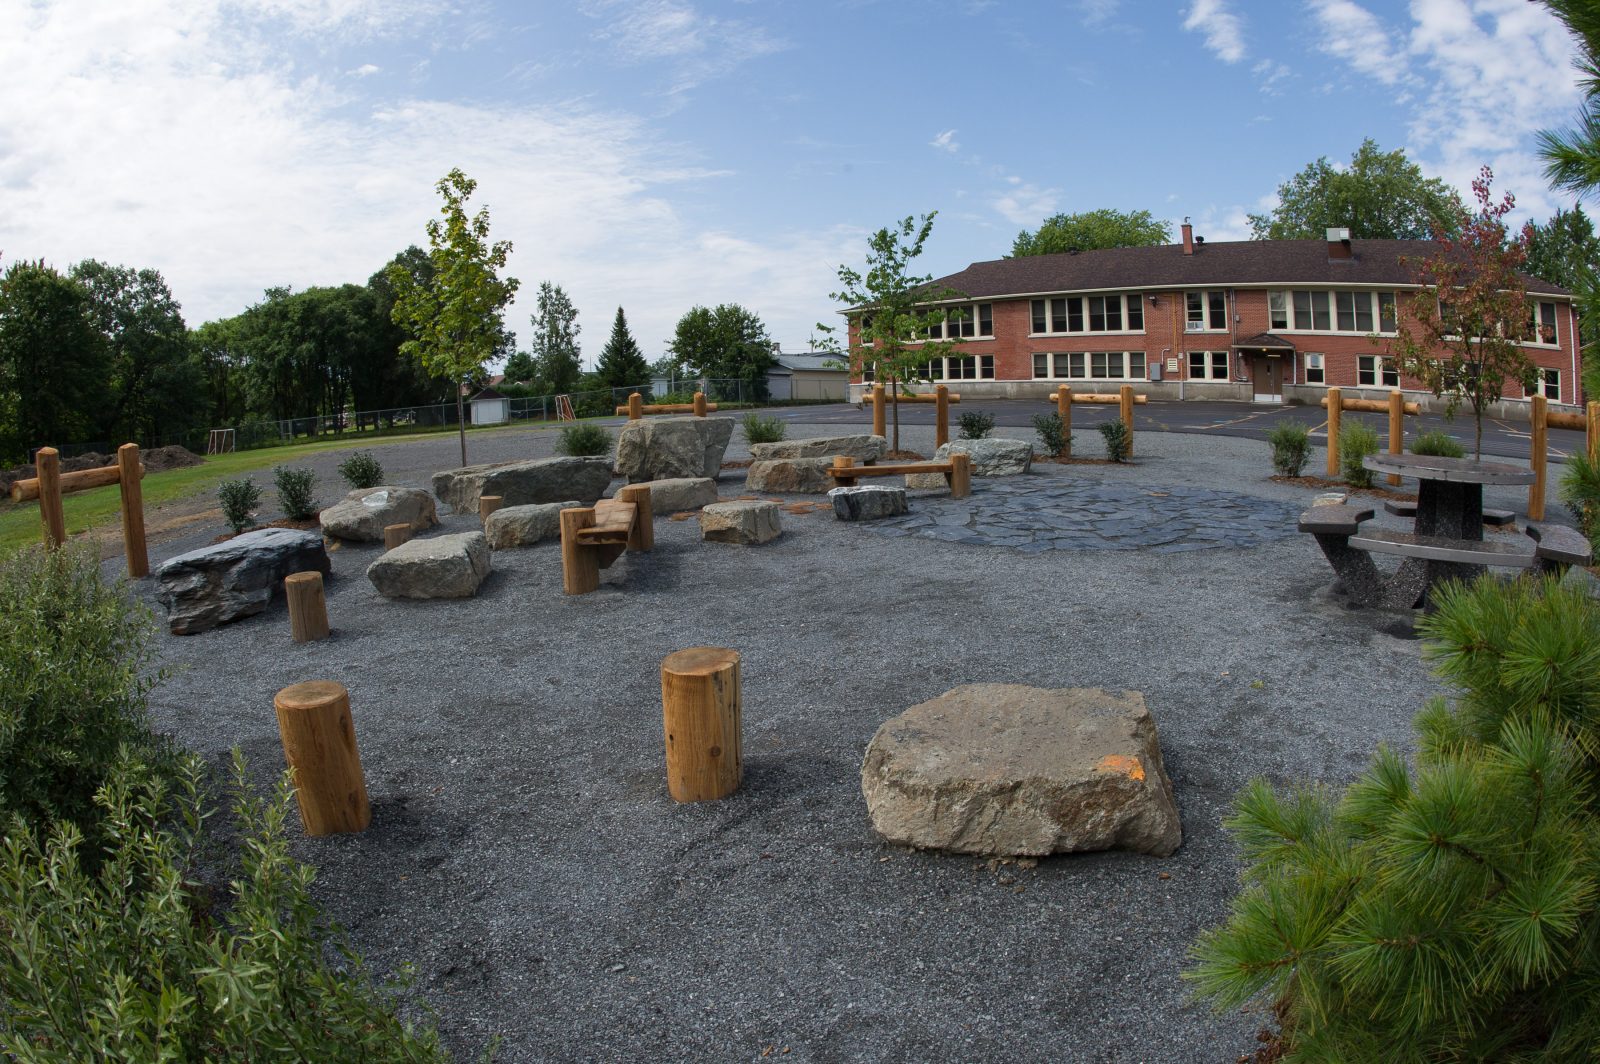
x: 1328, y: 484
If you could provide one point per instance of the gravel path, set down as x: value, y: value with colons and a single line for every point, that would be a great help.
x: 525, y: 856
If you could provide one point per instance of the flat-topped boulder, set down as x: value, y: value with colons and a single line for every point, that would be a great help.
x: 862, y: 448
x: 677, y: 494
x: 665, y: 448
x: 236, y: 578
x: 363, y: 514
x: 524, y: 483
x: 790, y: 476
x: 993, y: 456
x: 523, y: 526
x: 439, y: 567
x: 740, y: 522
x: 866, y: 502
x: 1009, y: 770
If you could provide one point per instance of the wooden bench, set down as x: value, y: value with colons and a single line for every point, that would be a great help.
x: 957, y: 472
x: 592, y: 537
x: 1498, y: 518
x: 1559, y: 546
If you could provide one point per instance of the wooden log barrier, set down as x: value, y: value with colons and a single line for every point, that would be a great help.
x: 701, y: 706
x: 51, y: 484
x: 1064, y: 412
x: 129, y: 470
x: 308, y: 608
x: 1397, y: 430
x: 1371, y: 406
x: 488, y: 504
x: 697, y: 409
x: 1538, y: 459
x: 635, y: 406
x: 47, y: 462
x: 1335, y: 404
x: 394, y: 535
x: 1125, y: 411
x: 880, y: 424
x: 1097, y: 398
x: 941, y: 432
x: 700, y: 407
x: 319, y: 743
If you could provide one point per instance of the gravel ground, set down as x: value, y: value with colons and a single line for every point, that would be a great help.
x: 525, y: 856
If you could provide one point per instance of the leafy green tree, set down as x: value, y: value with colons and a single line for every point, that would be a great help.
x: 555, y: 340
x: 889, y: 311
x: 455, y: 320
x: 1473, y: 304
x: 521, y: 368
x: 403, y: 380
x: 1572, y: 156
x: 621, y: 363
x: 221, y: 357
x: 1565, y: 251
x: 1092, y: 230
x: 1379, y: 196
x: 54, y: 371
x: 725, y: 342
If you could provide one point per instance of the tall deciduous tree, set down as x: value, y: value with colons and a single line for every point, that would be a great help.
x: 1381, y: 195
x: 555, y: 339
x: 54, y: 373
x: 455, y: 320
x: 622, y: 365
x: 1473, y: 305
x: 725, y: 342
x: 891, y: 310
x: 1092, y: 230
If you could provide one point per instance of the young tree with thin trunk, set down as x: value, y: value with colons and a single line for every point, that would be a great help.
x: 555, y: 339
x: 621, y: 363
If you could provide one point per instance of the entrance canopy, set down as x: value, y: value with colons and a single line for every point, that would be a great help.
x: 1264, y: 342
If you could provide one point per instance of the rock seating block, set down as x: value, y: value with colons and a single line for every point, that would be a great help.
x: 363, y: 514
x: 441, y: 567
x: 234, y: 579
x: 740, y: 522
x: 524, y: 483
x: 523, y: 526
x: 866, y: 502
x: 991, y: 457
x: 861, y: 448
x: 676, y: 494
x: 1007, y: 770
x: 790, y: 476
x: 667, y: 448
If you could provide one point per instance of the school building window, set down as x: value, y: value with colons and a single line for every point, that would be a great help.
x: 1089, y: 314
x: 1310, y: 310
x: 1090, y: 366
x: 1315, y: 373
x: 1208, y: 365
x: 1376, y: 371
x: 1205, y: 311
x: 1548, y: 385
x: 1542, y: 323
x: 967, y: 322
x: 960, y: 368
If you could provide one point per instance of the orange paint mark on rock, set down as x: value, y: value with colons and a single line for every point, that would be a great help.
x: 1126, y: 766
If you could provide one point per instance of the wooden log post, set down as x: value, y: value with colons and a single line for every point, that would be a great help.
x: 699, y: 404
x: 642, y: 536
x: 1593, y: 411
x: 319, y: 743
x: 844, y: 461
x: 308, y: 609
x: 1397, y: 430
x: 1125, y: 401
x: 47, y: 463
x: 488, y: 504
x: 701, y: 707
x: 1064, y: 411
x: 880, y: 415
x: 580, y: 566
x: 941, y: 399
x: 394, y: 535
x: 960, y: 475
x: 1539, y: 458
x: 635, y: 406
x: 133, y: 542
x: 1335, y: 408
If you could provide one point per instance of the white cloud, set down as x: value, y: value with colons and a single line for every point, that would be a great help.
x: 1097, y: 12
x: 1350, y: 32
x: 697, y: 47
x: 1224, y: 30
x: 1269, y: 73
x: 365, y: 70
x: 946, y: 141
x: 1025, y: 203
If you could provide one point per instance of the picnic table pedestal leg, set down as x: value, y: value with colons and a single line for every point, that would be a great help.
x: 1448, y: 509
x: 701, y: 707
x: 319, y: 743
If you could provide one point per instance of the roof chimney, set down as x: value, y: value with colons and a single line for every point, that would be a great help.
x: 1339, y: 244
x: 1188, y: 238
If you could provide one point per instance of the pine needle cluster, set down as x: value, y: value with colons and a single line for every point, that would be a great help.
x: 1445, y: 912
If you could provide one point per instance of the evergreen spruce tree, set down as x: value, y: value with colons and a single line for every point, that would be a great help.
x: 1445, y: 912
x: 622, y: 365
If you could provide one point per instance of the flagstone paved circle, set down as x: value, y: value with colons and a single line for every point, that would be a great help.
x: 1032, y: 515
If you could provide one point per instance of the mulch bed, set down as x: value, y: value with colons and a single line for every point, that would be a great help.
x: 308, y: 525
x: 1327, y: 484
x: 1066, y: 460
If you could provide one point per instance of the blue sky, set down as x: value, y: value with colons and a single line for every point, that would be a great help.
x: 662, y: 153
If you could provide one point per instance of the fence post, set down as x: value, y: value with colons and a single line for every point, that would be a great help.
x: 1594, y: 430
x: 1540, y: 444
x: 1064, y: 411
x: 941, y: 401
x: 133, y: 544
x: 699, y: 404
x: 1125, y: 396
x: 47, y: 467
x: 635, y: 407
x: 701, y: 709
x: 1335, y: 408
x: 880, y: 423
x: 1397, y: 430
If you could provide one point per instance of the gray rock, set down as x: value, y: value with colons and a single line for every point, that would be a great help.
x: 864, y: 502
x: 663, y: 448
x: 862, y: 448
x: 1011, y: 770
x: 740, y: 522
x: 523, y: 526
x: 440, y: 567
x: 524, y: 483
x: 791, y: 476
x: 363, y: 514
x: 991, y: 457
x: 677, y: 494
x: 236, y: 578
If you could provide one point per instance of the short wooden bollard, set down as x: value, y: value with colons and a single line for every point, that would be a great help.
x: 880, y: 420
x: 580, y: 568
x: 308, y: 608
x: 1125, y: 404
x: 47, y: 462
x: 1539, y: 459
x: 129, y: 471
x: 394, y: 535
x: 488, y: 504
x: 1335, y: 409
x: 941, y: 400
x: 1064, y: 412
x: 700, y: 710
x: 635, y: 407
x: 319, y: 743
x: 699, y: 404
x: 1397, y: 430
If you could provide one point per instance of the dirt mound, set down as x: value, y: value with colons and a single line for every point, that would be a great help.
x: 157, y: 461
x: 164, y: 458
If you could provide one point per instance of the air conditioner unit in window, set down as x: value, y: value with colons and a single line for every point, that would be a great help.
x: 1194, y: 326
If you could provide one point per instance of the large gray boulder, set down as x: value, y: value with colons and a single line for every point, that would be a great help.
x: 790, y: 476
x: 862, y: 448
x: 662, y: 448
x: 362, y: 515
x: 743, y: 522
x: 523, y: 526
x: 867, y: 502
x: 524, y: 483
x: 440, y: 567
x: 991, y: 457
x: 677, y: 494
x: 236, y: 578
x: 1010, y: 770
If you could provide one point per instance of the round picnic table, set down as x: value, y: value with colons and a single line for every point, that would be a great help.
x: 1449, y: 490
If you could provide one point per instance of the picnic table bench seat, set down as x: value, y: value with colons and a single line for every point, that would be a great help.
x: 1510, y: 554
x: 1498, y: 518
x: 1559, y: 546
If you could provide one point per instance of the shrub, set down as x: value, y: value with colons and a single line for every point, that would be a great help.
x: 584, y: 440
x: 976, y: 424
x: 1580, y: 491
x: 297, y: 492
x: 73, y: 657
x: 129, y: 964
x: 1053, y: 435
x: 1445, y: 912
x: 1356, y: 441
x: 758, y: 429
x: 1116, y: 437
x: 239, y: 499
x: 361, y: 470
x: 1291, y: 446
x: 1439, y: 444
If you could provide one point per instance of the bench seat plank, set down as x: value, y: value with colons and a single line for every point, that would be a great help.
x: 900, y: 468
x: 1558, y: 543
x: 1334, y: 519
x: 613, y: 520
x: 1445, y: 549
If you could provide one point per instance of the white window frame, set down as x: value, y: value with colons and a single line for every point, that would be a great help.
x: 1215, y: 366
x: 1131, y: 303
x: 1319, y: 367
x: 1290, y: 318
x: 1549, y: 384
x: 1059, y: 365
x: 1536, y: 322
x: 939, y: 368
x: 1208, y: 313
x: 1383, y: 367
x: 973, y: 318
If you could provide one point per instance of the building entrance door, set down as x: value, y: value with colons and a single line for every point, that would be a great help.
x: 1266, y: 371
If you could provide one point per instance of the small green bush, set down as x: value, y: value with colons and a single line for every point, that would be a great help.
x: 1291, y: 447
x: 758, y: 429
x: 361, y: 470
x: 1356, y: 441
x: 240, y: 499
x: 582, y: 441
x: 1053, y: 435
x: 1439, y: 444
x: 671, y: 399
x: 1116, y: 437
x: 1580, y: 491
x: 976, y: 424
x: 297, y: 492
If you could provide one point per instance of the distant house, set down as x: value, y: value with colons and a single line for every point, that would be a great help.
x: 489, y: 407
x: 808, y: 375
